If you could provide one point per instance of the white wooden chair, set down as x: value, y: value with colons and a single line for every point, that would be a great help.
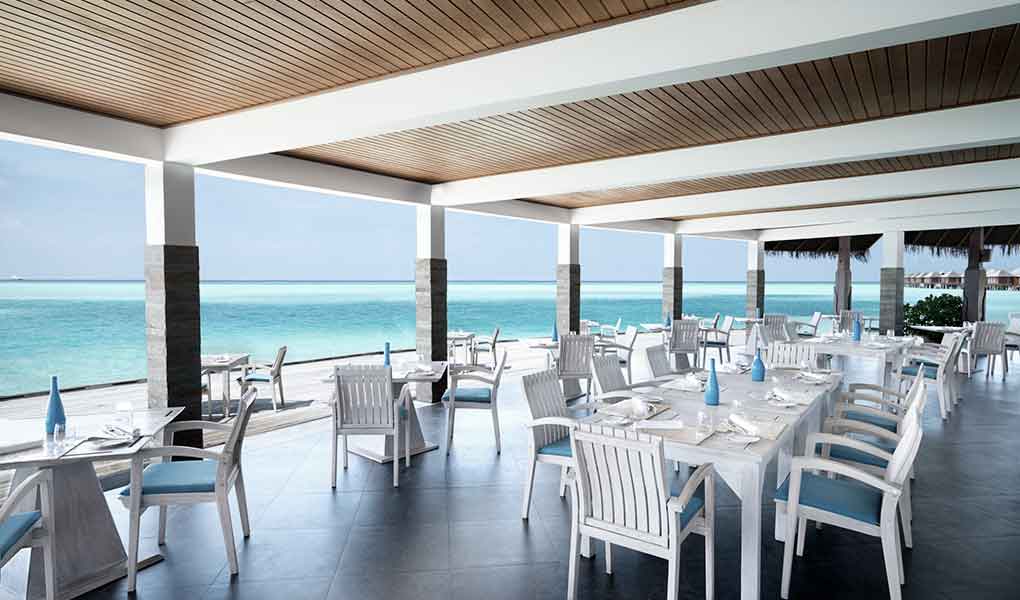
x: 623, y: 351
x: 209, y: 479
x: 659, y: 365
x: 809, y: 328
x: 774, y: 329
x: 609, y: 332
x: 860, y: 501
x: 939, y: 365
x: 847, y: 318
x: 271, y: 373
x: 791, y: 355
x: 550, y: 426
x: 684, y: 339
x: 989, y: 340
x: 207, y: 391
x: 877, y: 406
x: 30, y: 528
x: 574, y: 358
x: 487, y: 344
x: 1013, y: 335
x: 364, y: 405
x: 609, y: 379
x: 621, y: 497
x: 474, y: 397
x: 717, y: 338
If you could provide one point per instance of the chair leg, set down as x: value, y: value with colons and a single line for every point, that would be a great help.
x: 161, y: 539
x: 495, y: 428
x: 563, y: 482
x: 396, y: 460
x: 283, y: 401
x: 791, y: 540
x: 223, y: 507
x: 242, y: 503
x: 407, y: 437
x: 574, y: 534
x: 801, y: 536
x: 609, y: 558
x: 450, y: 417
x: 272, y: 394
x: 892, y: 569
x: 343, y: 449
x: 709, y: 539
x: 529, y: 485
x: 673, y: 575
x: 943, y: 402
x: 332, y: 473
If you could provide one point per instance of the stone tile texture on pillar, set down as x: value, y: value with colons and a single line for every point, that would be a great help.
x: 430, y: 282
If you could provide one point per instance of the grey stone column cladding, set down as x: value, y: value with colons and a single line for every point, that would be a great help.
x: 975, y: 284
x: 173, y: 333
x: 890, y: 310
x: 673, y: 291
x: 430, y: 314
x: 843, y: 291
x: 568, y: 298
x: 755, y: 293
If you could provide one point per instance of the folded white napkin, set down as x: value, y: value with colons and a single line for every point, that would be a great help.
x: 787, y: 395
x: 661, y: 424
x: 744, y: 424
x: 631, y: 408
x: 687, y: 383
x: 733, y: 368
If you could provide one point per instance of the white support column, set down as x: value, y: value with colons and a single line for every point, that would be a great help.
x: 755, y: 279
x: 172, y: 307
x: 672, y: 276
x: 430, y: 284
x: 568, y: 278
x: 890, y: 311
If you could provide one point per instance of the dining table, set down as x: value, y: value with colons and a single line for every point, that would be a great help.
x: 224, y: 364
x: 885, y: 352
x: 88, y: 550
x: 465, y: 339
x: 740, y: 461
x: 383, y: 448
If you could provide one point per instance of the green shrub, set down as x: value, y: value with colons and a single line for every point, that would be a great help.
x: 944, y: 309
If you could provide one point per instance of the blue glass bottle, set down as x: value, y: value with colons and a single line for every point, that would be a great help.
x: 667, y: 321
x: 386, y: 355
x: 556, y: 333
x: 712, y: 386
x: 857, y: 330
x: 758, y: 367
x: 55, y: 410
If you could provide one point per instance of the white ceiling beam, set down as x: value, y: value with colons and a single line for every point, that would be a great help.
x: 891, y: 209
x: 43, y: 124
x: 916, y: 223
x: 703, y: 41
x: 300, y: 174
x: 984, y: 124
x: 905, y: 184
x: 520, y: 209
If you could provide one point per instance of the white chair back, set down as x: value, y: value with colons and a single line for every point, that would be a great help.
x: 775, y: 328
x: 498, y: 373
x: 989, y: 337
x: 608, y: 374
x: 816, y: 320
x: 575, y: 355
x: 727, y: 325
x: 274, y: 371
x: 847, y: 318
x: 630, y: 337
x: 789, y: 355
x: 364, y: 396
x: 684, y: 336
x: 545, y: 399
x: 715, y: 321
x: 235, y: 440
x: 910, y: 441
x: 621, y: 482
x: 658, y: 361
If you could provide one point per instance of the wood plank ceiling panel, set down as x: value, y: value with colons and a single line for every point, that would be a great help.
x: 783, y: 176
x: 166, y: 61
x: 970, y: 68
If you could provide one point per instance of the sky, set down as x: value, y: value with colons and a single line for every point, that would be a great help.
x: 69, y: 215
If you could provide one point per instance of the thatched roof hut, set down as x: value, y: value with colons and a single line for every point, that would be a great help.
x: 860, y: 245
x: 956, y: 242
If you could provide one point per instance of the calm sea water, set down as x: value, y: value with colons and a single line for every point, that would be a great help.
x: 94, y: 332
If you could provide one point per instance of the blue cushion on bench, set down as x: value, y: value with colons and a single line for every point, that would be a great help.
x: 255, y: 378
x: 15, y: 527
x: 930, y: 372
x: 840, y: 496
x: 181, y: 477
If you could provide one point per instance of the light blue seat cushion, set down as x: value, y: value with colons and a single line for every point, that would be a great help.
x: 558, y: 448
x: 930, y: 371
x: 181, y: 477
x: 840, y: 496
x: 255, y: 378
x: 471, y: 394
x: 696, y: 503
x: 877, y: 421
x: 851, y: 454
x: 15, y: 527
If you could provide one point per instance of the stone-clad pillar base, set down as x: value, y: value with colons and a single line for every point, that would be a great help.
x: 842, y: 294
x: 975, y: 282
x: 755, y: 293
x: 673, y: 291
x: 890, y: 311
x: 173, y: 333
x: 568, y: 298
x: 430, y: 318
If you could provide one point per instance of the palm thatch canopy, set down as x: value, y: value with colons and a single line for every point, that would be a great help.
x: 955, y: 242
x: 860, y: 245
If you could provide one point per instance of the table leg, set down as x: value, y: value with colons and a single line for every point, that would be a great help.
x: 226, y: 393
x: 751, y: 484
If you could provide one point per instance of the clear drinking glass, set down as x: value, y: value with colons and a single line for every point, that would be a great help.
x: 705, y: 425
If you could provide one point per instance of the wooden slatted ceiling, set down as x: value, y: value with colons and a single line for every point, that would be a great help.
x: 940, y: 73
x: 166, y: 61
x: 782, y: 176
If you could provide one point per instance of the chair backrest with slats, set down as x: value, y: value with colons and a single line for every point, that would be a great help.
x: 608, y: 374
x: 790, y: 355
x: 847, y: 318
x: 727, y: 325
x: 989, y: 337
x: 910, y: 431
x: 545, y: 399
x: 684, y: 336
x: 714, y: 323
x: 953, y: 342
x: 658, y: 361
x: 816, y: 319
x: 498, y: 373
x: 235, y: 439
x: 274, y: 372
x: 629, y: 337
x: 495, y: 337
x: 575, y: 355
x: 621, y: 482
x: 364, y: 396
x: 775, y: 328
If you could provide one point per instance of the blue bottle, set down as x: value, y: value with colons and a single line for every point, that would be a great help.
x: 386, y: 355
x: 667, y: 321
x: 712, y: 387
x: 757, y: 368
x: 55, y: 411
x: 556, y: 334
x: 857, y: 330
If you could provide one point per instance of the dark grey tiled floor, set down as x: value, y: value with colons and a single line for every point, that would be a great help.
x: 452, y: 529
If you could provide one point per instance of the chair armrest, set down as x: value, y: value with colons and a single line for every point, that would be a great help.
x: 676, y: 504
x: 842, y: 410
x: 806, y: 463
x: 190, y: 425
x: 458, y: 378
x: 600, y: 400
x: 854, y: 387
x: 29, y: 485
x: 853, y: 401
x: 543, y: 421
x: 834, y: 425
x: 186, y: 451
x: 829, y: 439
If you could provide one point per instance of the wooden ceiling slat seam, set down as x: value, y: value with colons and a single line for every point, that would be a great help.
x: 794, y: 77
x: 762, y: 90
x: 1012, y: 59
x: 936, y: 72
x: 504, y: 20
x: 684, y: 95
x: 581, y: 115
x: 976, y: 54
x: 851, y: 87
x: 615, y: 8
x: 994, y: 62
x: 642, y: 108
x: 860, y: 67
x: 956, y: 56
x: 550, y: 132
x: 829, y: 78
x: 425, y: 12
x: 881, y: 78
x: 755, y: 95
x: 521, y: 18
x: 900, y: 78
x: 475, y: 29
x: 451, y: 47
x: 703, y: 90
x: 537, y: 15
x: 704, y: 129
x: 594, y: 109
x: 395, y: 25
x: 577, y: 13
x: 722, y: 92
x: 495, y: 30
x: 917, y: 64
x: 87, y: 101
x: 777, y: 79
x: 360, y: 33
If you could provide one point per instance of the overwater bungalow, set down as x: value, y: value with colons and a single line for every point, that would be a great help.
x: 646, y: 460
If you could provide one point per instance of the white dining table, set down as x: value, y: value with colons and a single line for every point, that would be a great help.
x: 383, y: 448
x: 89, y: 553
x: 743, y: 466
x: 886, y: 353
x: 465, y: 339
x: 224, y: 364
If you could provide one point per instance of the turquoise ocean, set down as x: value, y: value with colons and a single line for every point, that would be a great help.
x: 94, y: 332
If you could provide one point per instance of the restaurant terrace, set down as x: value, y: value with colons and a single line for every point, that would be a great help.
x: 706, y: 456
